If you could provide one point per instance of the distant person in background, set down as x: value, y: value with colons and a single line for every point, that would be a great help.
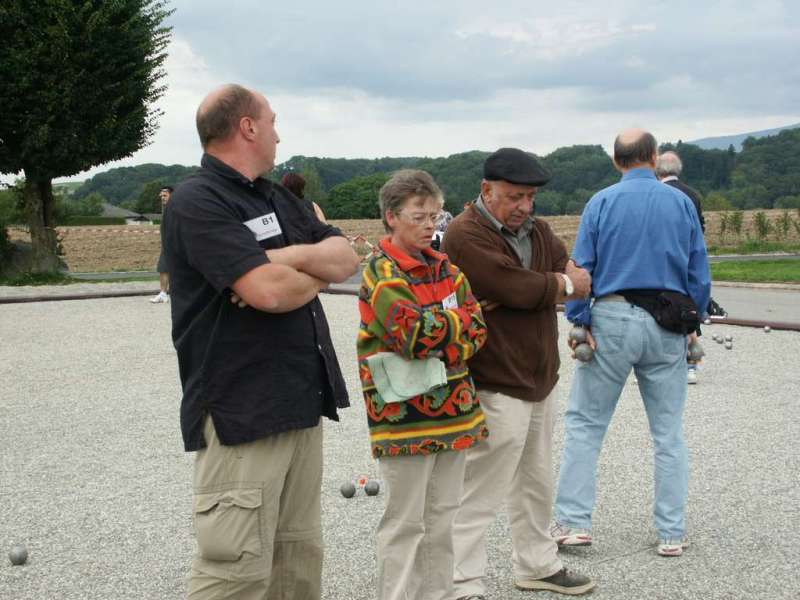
x: 161, y: 266
x: 297, y: 184
x: 441, y: 226
x: 668, y: 169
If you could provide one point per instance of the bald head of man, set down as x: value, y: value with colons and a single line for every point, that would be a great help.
x: 635, y: 148
x: 237, y: 125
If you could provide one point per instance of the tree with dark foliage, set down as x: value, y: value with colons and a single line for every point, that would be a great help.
x: 78, y: 83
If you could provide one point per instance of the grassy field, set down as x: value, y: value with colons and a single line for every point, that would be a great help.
x: 135, y: 248
x: 757, y: 271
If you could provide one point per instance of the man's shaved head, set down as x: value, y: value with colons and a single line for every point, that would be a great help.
x: 219, y: 113
x: 634, y: 147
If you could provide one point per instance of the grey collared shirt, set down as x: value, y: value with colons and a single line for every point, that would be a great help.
x: 520, y: 241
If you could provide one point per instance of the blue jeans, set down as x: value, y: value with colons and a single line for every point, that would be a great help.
x: 627, y: 337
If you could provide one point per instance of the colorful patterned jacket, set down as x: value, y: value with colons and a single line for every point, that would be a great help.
x: 401, y: 311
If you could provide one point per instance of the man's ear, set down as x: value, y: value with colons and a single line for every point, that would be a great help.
x: 486, y: 189
x: 246, y: 127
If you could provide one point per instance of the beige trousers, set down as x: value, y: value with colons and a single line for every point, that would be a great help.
x: 257, y: 518
x: 513, y: 465
x: 415, y: 535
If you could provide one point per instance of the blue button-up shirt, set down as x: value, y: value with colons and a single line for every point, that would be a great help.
x: 641, y: 234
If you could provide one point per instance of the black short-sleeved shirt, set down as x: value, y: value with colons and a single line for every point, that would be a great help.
x: 255, y: 373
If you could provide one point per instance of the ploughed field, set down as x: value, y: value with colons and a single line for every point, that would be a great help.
x: 107, y: 248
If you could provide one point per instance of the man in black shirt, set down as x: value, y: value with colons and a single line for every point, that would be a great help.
x: 256, y: 380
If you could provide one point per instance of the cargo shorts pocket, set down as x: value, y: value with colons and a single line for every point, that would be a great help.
x: 227, y: 524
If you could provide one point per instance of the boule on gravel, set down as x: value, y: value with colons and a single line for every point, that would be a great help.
x: 18, y: 555
x: 348, y: 489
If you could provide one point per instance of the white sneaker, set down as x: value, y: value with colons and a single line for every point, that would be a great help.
x: 672, y: 547
x: 691, y: 376
x: 159, y: 298
x: 570, y: 536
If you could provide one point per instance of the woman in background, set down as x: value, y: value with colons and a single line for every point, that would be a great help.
x: 296, y: 184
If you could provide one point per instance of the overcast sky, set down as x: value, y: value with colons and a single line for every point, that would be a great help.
x: 382, y: 78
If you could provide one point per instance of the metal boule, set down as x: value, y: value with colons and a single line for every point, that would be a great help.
x: 767, y: 328
x: 372, y: 488
x: 696, y: 351
x: 578, y: 334
x: 18, y: 555
x: 584, y: 352
x: 728, y: 345
x: 348, y: 489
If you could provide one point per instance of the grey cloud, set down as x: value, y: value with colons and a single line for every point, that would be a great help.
x: 740, y: 58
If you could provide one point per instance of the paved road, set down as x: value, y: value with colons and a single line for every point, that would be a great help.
x: 764, y: 304
x: 152, y: 274
x: 742, y: 303
x: 94, y: 480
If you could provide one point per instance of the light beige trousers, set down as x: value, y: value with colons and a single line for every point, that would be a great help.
x: 514, y: 465
x: 415, y: 534
x: 257, y: 518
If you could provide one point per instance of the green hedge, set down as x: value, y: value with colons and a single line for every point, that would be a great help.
x: 93, y: 221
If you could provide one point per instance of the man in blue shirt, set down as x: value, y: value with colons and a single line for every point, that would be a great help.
x: 636, y: 238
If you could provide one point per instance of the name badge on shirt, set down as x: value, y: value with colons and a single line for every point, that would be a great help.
x: 450, y: 302
x: 265, y: 226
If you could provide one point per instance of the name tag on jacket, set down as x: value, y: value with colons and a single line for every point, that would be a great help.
x: 265, y: 226
x: 451, y: 302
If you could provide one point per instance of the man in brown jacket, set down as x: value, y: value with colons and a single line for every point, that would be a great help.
x: 519, y: 270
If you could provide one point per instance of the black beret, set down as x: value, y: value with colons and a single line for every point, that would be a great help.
x: 515, y: 166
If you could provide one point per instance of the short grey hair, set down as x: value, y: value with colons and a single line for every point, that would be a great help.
x: 668, y: 163
x: 405, y: 184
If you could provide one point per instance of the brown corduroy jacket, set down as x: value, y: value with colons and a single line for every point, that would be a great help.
x: 520, y: 358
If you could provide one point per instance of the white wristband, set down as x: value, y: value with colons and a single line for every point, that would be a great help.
x: 569, y: 288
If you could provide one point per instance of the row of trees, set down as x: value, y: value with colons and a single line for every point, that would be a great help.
x: 125, y: 186
x: 765, y: 174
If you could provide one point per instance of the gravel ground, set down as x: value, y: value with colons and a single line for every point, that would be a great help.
x: 94, y: 480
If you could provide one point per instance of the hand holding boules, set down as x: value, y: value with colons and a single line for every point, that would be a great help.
x: 582, y: 343
x: 695, y: 352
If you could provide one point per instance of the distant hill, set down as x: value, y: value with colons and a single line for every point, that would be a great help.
x: 68, y: 187
x: 124, y: 184
x: 723, y: 142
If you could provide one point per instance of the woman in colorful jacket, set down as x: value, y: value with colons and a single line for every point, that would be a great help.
x: 414, y: 303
